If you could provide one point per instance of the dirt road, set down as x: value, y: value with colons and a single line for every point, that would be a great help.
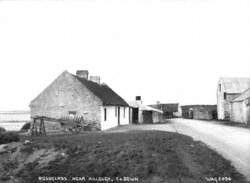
x: 231, y: 142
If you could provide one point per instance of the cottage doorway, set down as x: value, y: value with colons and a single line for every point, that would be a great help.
x: 147, y: 116
x: 191, y: 114
x: 214, y: 115
x: 118, y: 116
x: 135, y: 114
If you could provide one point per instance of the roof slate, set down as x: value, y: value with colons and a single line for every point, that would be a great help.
x: 104, y: 92
x: 142, y: 107
x: 245, y: 95
x: 168, y: 107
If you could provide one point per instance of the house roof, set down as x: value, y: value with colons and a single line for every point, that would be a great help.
x: 235, y: 85
x: 104, y: 92
x: 144, y: 107
x: 208, y: 107
x: 168, y: 107
x: 244, y: 95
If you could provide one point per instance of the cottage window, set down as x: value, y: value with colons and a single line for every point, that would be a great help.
x: 220, y: 87
x: 115, y: 111
x: 105, y: 114
x: 72, y: 113
x: 225, y: 96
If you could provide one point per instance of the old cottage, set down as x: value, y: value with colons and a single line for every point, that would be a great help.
x: 81, y: 97
x: 140, y: 113
x: 240, y: 108
x: 202, y: 112
x: 227, y: 90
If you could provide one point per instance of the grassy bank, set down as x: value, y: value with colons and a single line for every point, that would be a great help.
x: 149, y: 156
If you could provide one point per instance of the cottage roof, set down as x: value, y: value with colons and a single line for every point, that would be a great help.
x: 242, y: 96
x: 104, y: 92
x: 168, y: 107
x: 143, y: 107
x: 235, y: 85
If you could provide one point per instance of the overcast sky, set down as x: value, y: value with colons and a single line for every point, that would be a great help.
x: 163, y: 50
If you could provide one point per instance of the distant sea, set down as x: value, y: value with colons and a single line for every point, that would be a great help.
x: 12, y: 126
x: 14, y: 120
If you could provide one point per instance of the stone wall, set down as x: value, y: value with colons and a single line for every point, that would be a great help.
x: 67, y: 96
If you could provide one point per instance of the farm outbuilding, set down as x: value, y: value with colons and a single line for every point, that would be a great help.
x: 227, y: 90
x: 240, y: 108
x: 140, y: 113
x: 202, y: 112
x: 80, y: 97
x: 169, y: 109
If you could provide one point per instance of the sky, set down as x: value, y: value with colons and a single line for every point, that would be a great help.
x: 162, y: 50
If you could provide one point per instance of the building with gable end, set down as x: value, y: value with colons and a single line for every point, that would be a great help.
x: 79, y: 95
x: 227, y: 90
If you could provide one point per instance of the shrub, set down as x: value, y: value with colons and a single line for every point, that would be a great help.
x: 2, y: 130
x: 7, y: 137
x: 25, y: 127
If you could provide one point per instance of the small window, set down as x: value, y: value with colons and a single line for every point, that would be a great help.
x: 220, y: 87
x: 225, y: 96
x: 124, y: 112
x: 73, y: 113
x: 105, y: 114
x: 115, y: 111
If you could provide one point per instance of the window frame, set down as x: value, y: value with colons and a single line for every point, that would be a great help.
x: 225, y: 96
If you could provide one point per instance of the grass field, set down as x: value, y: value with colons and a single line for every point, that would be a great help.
x: 146, y: 156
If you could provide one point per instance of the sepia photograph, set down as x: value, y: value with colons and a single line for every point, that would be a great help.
x: 125, y: 91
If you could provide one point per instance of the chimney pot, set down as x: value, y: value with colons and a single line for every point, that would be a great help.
x: 82, y: 74
x: 95, y: 79
x: 138, y: 98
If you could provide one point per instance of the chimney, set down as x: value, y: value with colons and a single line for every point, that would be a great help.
x: 95, y: 79
x: 138, y: 98
x: 83, y: 74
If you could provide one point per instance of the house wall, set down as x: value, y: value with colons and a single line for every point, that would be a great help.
x: 112, y: 118
x: 248, y: 114
x: 157, y: 117
x: 238, y: 112
x: 202, y: 114
x: 130, y: 115
x: 124, y: 118
x: 223, y: 105
x: 140, y: 116
x: 66, y: 94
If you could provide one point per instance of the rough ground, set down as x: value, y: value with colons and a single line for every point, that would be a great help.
x: 150, y: 156
x: 233, y: 143
x: 16, y: 156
